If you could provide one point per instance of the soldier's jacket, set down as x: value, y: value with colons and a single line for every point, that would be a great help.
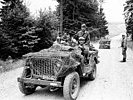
x: 85, y: 34
x: 65, y: 37
x: 124, y: 46
x: 85, y: 50
x: 124, y: 43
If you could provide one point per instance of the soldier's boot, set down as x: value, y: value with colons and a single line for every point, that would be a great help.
x: 124, y: 59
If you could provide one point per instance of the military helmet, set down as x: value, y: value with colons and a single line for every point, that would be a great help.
x: 83, y: 25
x: 81, y: 39
x: 58, y: 39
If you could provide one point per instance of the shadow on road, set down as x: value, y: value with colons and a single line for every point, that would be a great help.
x: 83, y: 82
x: 46, y: 93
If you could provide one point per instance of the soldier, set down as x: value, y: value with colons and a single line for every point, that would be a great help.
x: 83, y: 33
x: 64, y: 37
x: 58, y: 39
x: 122, y: 41
x: 84, y: 48
x: 124, y: 47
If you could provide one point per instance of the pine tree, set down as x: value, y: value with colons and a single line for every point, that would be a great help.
x: 46, y: 24
x: 102, y: 23
x: 128, y: 13
x: 77, y: 12
x: 14, y: 17
x: 29, y: 40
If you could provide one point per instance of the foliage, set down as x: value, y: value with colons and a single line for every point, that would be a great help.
x: 101, y: 23
x: 20, y: 33
x: 77, y: 12
x: 128, y: 13
x: 14, y: 17
x: 42, y: 34
x: 48, y: 22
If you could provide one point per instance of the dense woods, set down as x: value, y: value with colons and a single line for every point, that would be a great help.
x: 21, y: 33
x: 77, y: 12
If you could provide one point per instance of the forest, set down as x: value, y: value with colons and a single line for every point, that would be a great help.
x: 21, y: 33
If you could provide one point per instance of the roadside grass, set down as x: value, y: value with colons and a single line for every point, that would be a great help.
x: 9, y: 65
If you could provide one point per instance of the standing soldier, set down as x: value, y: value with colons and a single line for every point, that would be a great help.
x: 83, y: 33
x: 124, y: 47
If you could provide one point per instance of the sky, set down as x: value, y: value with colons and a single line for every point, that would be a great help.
x: 36, y: 5
x: 113, y: 8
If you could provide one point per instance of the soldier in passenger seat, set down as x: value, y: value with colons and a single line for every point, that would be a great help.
x: 84, y: 48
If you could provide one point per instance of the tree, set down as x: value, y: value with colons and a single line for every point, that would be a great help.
x: 29, y: 40
x: 101, y: 23
x: 76, y: 12
x: 128, y: 13
x: 14, y: 18
x: 47, y: 22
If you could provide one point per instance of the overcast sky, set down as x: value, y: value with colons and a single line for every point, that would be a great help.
x: 114, y: 10
x: 36, y: 5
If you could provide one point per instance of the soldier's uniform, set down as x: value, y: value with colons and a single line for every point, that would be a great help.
x: 85, y: 49
x: 124, y: 49
x: 84, y: 34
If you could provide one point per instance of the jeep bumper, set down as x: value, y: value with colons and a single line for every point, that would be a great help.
x: 40, y: 82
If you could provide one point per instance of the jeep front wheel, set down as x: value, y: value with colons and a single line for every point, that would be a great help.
x: 24, y: 87
x: 71, y: 86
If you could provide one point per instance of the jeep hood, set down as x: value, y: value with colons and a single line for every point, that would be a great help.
x: 56, y: 50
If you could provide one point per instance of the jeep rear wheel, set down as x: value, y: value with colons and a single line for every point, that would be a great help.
x: 92, y: 75
x: 24, y: 87
x: 71, y: 86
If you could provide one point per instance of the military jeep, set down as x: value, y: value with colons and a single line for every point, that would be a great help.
x: 59, y: 66
x: 104, y: 43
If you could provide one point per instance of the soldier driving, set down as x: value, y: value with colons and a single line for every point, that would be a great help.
x: 124, y: 47
x: 83, y: 33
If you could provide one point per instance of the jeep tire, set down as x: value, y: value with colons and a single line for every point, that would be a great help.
x: 26, y: 88
x: 71, y: 86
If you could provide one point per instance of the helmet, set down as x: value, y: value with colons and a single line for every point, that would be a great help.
x: 81, y: 38
x: 58, y: 39
x: 83, y: 25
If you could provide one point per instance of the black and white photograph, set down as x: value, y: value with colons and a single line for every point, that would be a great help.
x: 66, y: 49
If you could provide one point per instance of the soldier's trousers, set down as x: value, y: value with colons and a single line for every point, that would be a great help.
x: 124, y: 52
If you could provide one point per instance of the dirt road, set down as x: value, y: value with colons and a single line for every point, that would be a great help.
x: 114, y: 80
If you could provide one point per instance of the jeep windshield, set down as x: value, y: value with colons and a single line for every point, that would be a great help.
x: 60, y: 47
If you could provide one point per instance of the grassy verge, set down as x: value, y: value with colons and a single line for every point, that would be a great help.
x: 9, y: 65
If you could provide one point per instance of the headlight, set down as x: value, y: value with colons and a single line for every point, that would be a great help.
x: 58, y: 66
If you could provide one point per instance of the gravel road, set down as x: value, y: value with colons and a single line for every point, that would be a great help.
x: 114, y: 80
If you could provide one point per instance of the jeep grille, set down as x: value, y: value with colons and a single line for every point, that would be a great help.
x: 43, y: 66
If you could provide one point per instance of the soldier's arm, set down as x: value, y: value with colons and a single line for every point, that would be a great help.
x: 88, y: 39
x: 76, y: 36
